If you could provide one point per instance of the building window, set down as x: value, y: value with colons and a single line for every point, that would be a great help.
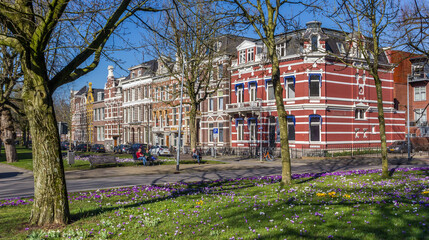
x: 162, y: 94
x: 290, y: 87
x: 314, y: 43
x: 253, y: 130
x: 240, y: 94
x: 270, y: 91
x: 220, y: 71
x: 281, y: 49
x: 210, y: 132
x: 360, y: 114
x: 220, y: 132
x: 242, y: 56
x: 291, y: 128
x: 220, y: 103
x: 252, y: 92
x: 211, y: 104
x: 420, y: 116
x: 240, y: 130
x: 140, y: 72
x: 314, y: 85
x: 145, y: 91
x: 341, y: 48
x: 250, y: 55
x: 174, y: 116
x: 420, y: 93
x: 315, y: 124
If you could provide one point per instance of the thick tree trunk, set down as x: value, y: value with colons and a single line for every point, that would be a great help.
x: 193, y: 126
x: 282, y: 115
x: 382, y: 126
x: 50, y: 194
x: 8, y: 135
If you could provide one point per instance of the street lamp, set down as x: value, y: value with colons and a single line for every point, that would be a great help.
x: 260, y: 128
x: 408, y: 118
x: 180, y: 115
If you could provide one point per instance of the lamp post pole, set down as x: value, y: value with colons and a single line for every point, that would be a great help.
x: 180, y: 116
x: 260, y: 130
x: 408, y: 118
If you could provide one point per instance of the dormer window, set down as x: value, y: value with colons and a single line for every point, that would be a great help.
x: 281, y: 49
x: 140, y: 72
x: 242, y: 56
x: 133, y: 74
x: 100, y: 96
x: 250, y: 55
x: 341, y: 48
x: 314, y: 43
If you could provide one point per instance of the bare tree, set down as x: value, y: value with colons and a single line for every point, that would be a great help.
x: 58, y: 41
x: 185, y: 43
x: 414, y: 23
x: 365, y: 26
x: 10, y: 73
x: 265, y: 18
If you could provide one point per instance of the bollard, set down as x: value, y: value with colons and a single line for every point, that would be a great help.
x: 70, y: 157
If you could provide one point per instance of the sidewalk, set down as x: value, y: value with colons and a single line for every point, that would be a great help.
x: 234, y: 163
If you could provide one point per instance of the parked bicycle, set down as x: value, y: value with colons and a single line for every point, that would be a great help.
x: 268, y: 157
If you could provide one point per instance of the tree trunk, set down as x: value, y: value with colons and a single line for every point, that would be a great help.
x: 282, y: 115
x: 193, y: 126
x: 8, y: 135
x: 382, y: 126
x: 50, y: 194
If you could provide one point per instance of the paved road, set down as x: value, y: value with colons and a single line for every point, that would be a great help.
x: 15, y: 182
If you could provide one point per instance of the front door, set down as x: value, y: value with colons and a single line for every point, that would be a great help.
x: 168, y: 141
x: 115, y: 141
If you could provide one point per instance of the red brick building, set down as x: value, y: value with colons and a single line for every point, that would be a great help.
x: 330, y: 104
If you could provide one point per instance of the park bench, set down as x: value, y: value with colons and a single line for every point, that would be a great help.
x: 102, y: 160
x: 148, y: 162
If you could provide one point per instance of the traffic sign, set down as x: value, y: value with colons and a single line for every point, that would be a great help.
x: 215, y: 130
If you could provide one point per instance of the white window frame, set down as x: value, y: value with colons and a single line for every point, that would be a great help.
x: 240, y: 130
x: 320, y: 130
x: 270, y: 85
x: 290, y: 81
x: 210, y: 133
x: 253, y: 131
x: 240, y: 94
x: 250, y: 55
x: 311, y: 81
x: 220, y: 103
x: 242, y: 56
x: 418, y: 113
x: 211, y: 104
x: 220, y: 133
x: 420, y: 93
x: 253, y: 92
x: 281, y: 49
x: 360, y: 114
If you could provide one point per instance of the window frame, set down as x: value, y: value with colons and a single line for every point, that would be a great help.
x: 420, y: 90
x: 319, y: 123
x: 290, y: 80
x: 253, y: 91
x: 269, y: 84
x: 312, y: 81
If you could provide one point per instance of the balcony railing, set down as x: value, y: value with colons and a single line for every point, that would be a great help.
x: 243, y: 107
x: 419, y: 76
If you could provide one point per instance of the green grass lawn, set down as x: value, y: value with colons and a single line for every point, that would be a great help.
x: 349, y: 205
x: 25, y: 160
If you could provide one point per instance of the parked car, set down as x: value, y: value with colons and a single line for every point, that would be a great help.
x: 123, y: 148
x: 65, y: 146
x: 159, y: 150
x: 82, y: 147
x: 98, y: 148
x: 133, y: 149
x: 399, y: 147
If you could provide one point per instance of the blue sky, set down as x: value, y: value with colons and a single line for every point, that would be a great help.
x: 130, y: 58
